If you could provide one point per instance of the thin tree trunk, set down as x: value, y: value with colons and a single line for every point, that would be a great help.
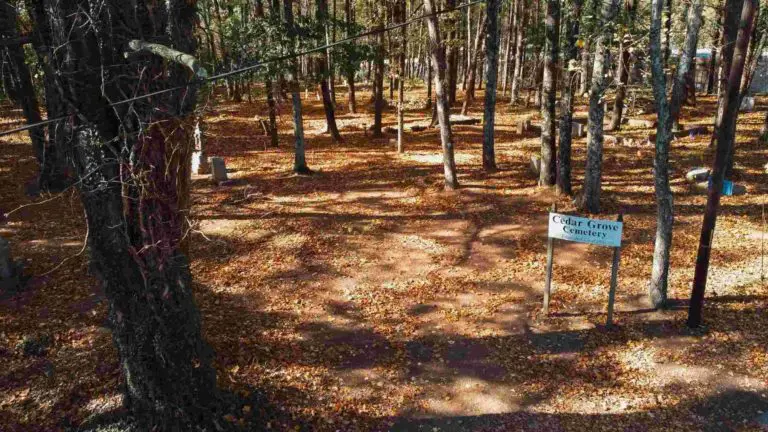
x: 401, y: 82
x: 667, y: 33
x: 452, y: 54
x: 443, y: 108
x: 469, y: 96
x: 623, y: 68
x: 378, y: 81
x: 21, y: 89
x: 268, y: 85
x: 657, y: 289
x: 693, y: 23
x: 585, y: 75
x: 566, y: 102
x: 492, y: 54
x: 725, y: 140
x: 321, y: 15
x: 730, y: 28
x: 517, y: 75
x: 712, y: 71
x: 511, y: 24
x: 756, y: 46
x: 429, y: 80
x: 593, y: 172
x: 350, y: 73
x: 548, y: 171
x: 300, y: 161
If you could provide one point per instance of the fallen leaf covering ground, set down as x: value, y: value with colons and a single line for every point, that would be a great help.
x: 364, y: 297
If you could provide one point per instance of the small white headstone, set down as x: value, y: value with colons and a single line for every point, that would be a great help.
x: 577, y: 129
x: 219, y: 169
x: 747, y: 104
x: 535, y: 164
x: 697, y: 175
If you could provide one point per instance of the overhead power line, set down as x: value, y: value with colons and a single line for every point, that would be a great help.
x: 255, y: 65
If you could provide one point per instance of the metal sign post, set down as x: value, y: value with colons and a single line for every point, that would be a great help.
x: 584, y: 230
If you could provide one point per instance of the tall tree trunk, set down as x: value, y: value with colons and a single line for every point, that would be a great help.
x: 517, y: 74
x: 657, y: 289
x: 511, y: 24
x: 300, y: 160
x: 693, y: 23
x: 21, y: 89
x: 443, y: 108
x: 492, y: 54
x: 268, y: 85
x: 725, y: 139
x: 136, y: 225
x: 566, y: 102
x: 321, y: 15
x: 730, y: 28
x: 548, y: 171
x: 585, y: 75
x: 378, y: 79
x: 712, y: 71
x: 469, y: 96
x: 623, y: 68
x: 756, y: 46
x: 667, y: 33
x: 452, y: 53
x: 401, y: 80
x: 593, y: 172
x: 350, y: 73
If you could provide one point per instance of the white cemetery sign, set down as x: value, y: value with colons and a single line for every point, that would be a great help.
x: 584, y: 230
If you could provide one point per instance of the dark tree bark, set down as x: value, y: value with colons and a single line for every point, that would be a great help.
x: 726, y: 134
x: 350, y: 74
x: 566, y: 102
x: 730, y: 28
x: 268, y: 85
x: 712, y: 70
x: 593, y: 173
x: 585, y: 74
x: 300, y: 160
x: 452, y: 54
x: 548, y: 172
x: 511, y: 25
x: 54, y: 165
x: 378, y: 79
x: 517, y: 72
x: 443, y: 108
x: 687, y: 57
x: 657, y: 289
x: 429, y: 80
x: 622, y: 70
x: 401, y: 79
x: 132, y: 162
x: 667, y: 32
x: 20, y: 88
x: 469, y: 95
x: 321, y: 15
x: 492, y: 55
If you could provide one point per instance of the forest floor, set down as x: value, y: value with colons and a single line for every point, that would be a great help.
x: 364, y: 297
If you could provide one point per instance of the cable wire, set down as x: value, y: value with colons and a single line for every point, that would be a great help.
x: 254, y: 66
